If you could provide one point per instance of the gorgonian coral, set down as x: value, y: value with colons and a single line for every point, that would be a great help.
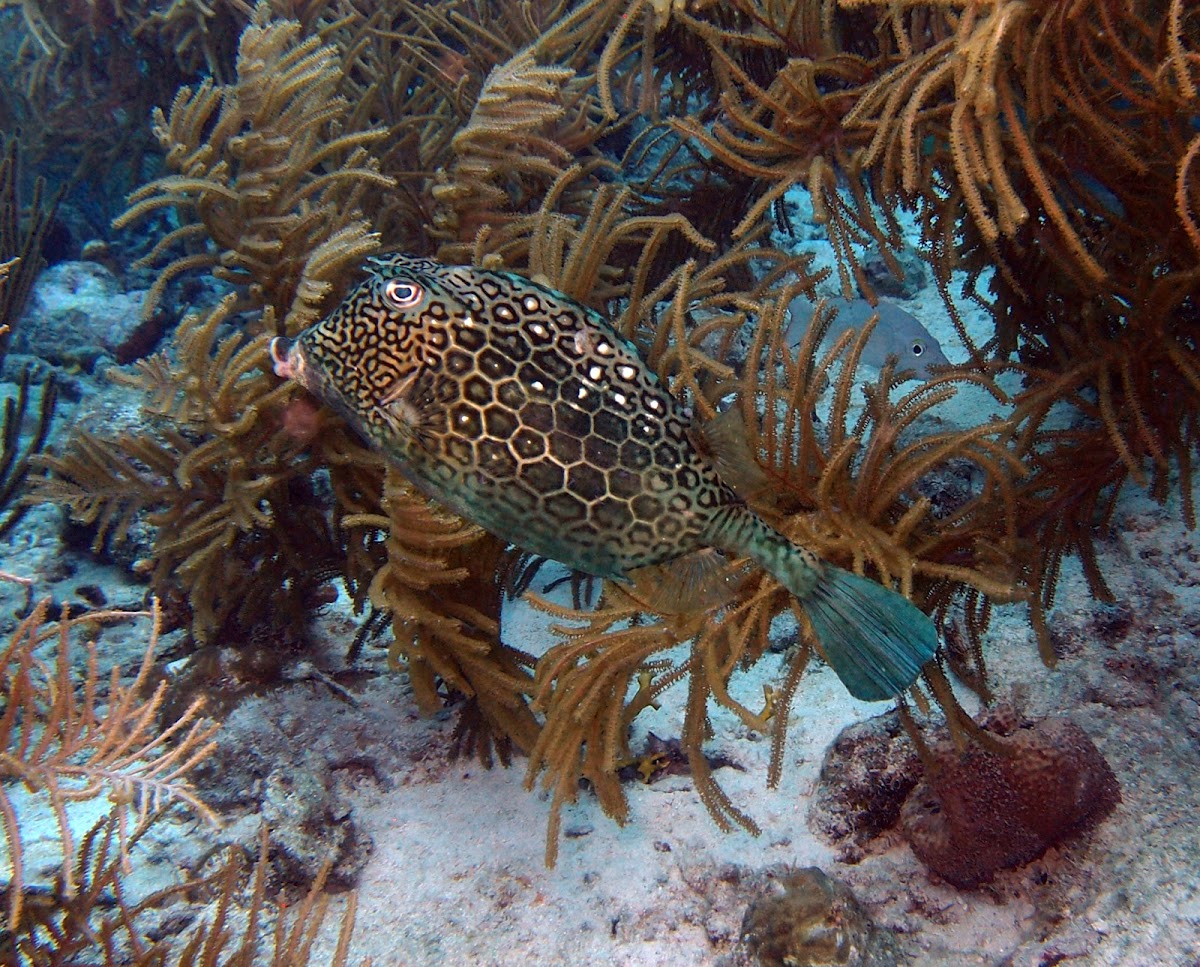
x: 632, y: 155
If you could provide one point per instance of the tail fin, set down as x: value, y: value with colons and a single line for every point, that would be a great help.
x: 875, y: 639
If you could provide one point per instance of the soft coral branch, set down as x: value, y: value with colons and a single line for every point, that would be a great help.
x: 69, y: 740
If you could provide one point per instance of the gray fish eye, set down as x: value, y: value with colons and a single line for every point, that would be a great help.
x: 402, y: 295
x: 918, y: 348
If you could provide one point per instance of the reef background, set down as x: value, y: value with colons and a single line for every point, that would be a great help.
x: 456, y: 874
x: 677, y: 166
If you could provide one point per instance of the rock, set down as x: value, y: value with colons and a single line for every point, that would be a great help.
x: 78, y: 312
x: 868, y: 771
x: 881, y: 279
x: 310, y: 825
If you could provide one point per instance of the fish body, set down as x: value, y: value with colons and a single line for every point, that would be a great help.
x: 897, y: 333
x: 526, y: 412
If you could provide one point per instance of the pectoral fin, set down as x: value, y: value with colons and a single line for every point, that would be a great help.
x: 415, y: 407
x: 725, y: 440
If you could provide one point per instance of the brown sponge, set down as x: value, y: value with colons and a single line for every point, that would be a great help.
x: 980, y: 811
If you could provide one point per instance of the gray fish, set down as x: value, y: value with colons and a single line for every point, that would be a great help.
x: 526, y: 412
x: 898, y: 333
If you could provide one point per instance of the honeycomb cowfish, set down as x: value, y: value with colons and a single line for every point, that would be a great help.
x: 897, y: 333
x: 527, y: 413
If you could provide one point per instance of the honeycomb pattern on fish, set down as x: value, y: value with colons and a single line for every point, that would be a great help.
x: 527, y: 413
x: 523, y: 410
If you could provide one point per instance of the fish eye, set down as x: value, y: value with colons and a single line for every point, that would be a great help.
x: 918, y: 348
x: 401, y: 294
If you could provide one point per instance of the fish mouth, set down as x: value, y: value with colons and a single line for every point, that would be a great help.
x: 287, y: 360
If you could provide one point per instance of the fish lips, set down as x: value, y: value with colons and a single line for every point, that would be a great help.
x: 289, y: 362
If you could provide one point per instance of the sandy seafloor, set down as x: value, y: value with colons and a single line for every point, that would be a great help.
x: 454, y: 871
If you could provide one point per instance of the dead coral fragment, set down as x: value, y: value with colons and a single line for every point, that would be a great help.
x: 978, y: 812
x: 810, y: 919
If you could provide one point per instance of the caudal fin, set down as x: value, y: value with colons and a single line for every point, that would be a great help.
x: 875, y: 639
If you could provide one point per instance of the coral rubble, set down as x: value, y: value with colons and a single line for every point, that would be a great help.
x: 811, y: 919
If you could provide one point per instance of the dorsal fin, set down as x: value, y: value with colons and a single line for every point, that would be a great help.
x: 725, y: 441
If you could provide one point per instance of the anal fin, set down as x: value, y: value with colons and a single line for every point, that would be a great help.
x: 694, y: 582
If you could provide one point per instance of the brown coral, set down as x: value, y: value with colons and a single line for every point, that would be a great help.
x: 1048, y: 152
x: 61, y: 741
x: 21, y: 235
x: 979, y: 811
x: 263, y: 169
